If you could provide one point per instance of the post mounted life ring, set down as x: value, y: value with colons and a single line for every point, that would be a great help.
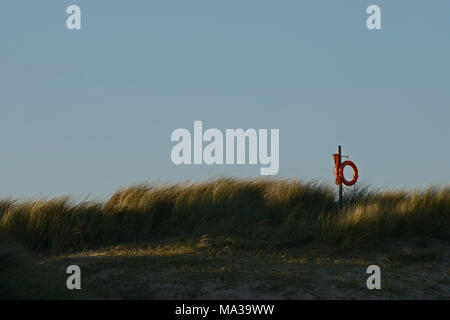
x: 341, y: 173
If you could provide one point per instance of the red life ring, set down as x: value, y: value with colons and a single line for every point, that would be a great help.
x: 341, y: 173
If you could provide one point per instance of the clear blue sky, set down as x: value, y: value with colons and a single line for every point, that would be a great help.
x: 89, y: 111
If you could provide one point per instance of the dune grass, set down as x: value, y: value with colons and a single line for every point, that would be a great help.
x: 258, y: 212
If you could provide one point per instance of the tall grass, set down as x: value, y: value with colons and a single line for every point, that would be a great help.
x: 377, y: 217
x: 272, y: 212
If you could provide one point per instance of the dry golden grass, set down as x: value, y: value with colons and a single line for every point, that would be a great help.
x: 258, y: 212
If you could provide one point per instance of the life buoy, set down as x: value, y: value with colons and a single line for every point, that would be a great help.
x: 341, y: 173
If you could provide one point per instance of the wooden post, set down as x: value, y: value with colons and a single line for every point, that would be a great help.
x: 339, y: 150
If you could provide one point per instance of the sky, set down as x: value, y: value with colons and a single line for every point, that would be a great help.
x: 88, y: 111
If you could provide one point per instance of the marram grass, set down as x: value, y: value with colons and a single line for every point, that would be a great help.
x: 256, y: 212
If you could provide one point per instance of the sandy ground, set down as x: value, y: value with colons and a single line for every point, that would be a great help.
x: 180, y: 272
